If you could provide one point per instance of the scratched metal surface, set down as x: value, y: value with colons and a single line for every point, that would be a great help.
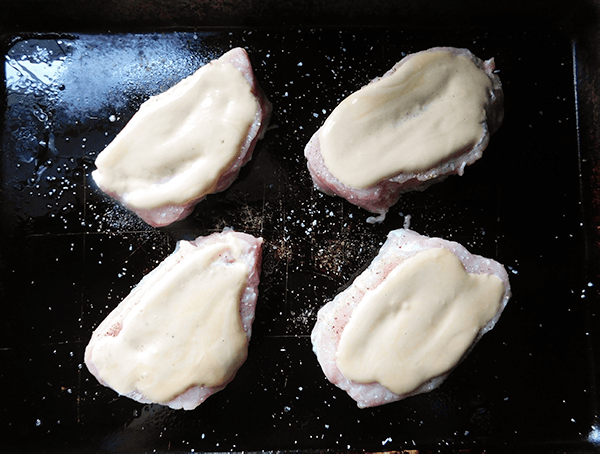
x: 70, y: 254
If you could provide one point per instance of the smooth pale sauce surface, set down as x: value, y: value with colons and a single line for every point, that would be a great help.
x: 429, y: 109
x: 177, y: 145
x: 186, y: 330
x: 418, y: 323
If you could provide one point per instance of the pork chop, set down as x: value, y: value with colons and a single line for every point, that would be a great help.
x: 187, y: 142
x: 428, y: 117
x: 421, y: 351
x: 183, y: 332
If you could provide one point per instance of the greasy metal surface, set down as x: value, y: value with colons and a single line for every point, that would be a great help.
x: 70, y: 254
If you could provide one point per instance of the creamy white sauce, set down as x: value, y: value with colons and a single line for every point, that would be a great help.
x: 185, y: 330
x: 177, y: 145
x: 429, y: 109
x: 418, y: 323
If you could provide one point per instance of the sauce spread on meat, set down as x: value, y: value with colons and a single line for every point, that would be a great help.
x: 429, y: 109
x: 185, y: 330
x: 418, y: 323
x: 178, y: 144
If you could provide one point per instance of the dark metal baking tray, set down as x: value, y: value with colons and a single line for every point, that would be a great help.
x: 70, y: 254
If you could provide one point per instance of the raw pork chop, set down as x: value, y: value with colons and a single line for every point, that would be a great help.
x: 333, y: 318
x: 180, y: 129
x: 380, y: 196
x: 191, y: 337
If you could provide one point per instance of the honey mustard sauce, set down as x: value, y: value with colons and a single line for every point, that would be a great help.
x: 418, y: 323
x: 427, y: 110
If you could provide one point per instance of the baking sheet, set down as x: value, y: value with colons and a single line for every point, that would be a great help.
x: 70, y: 254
